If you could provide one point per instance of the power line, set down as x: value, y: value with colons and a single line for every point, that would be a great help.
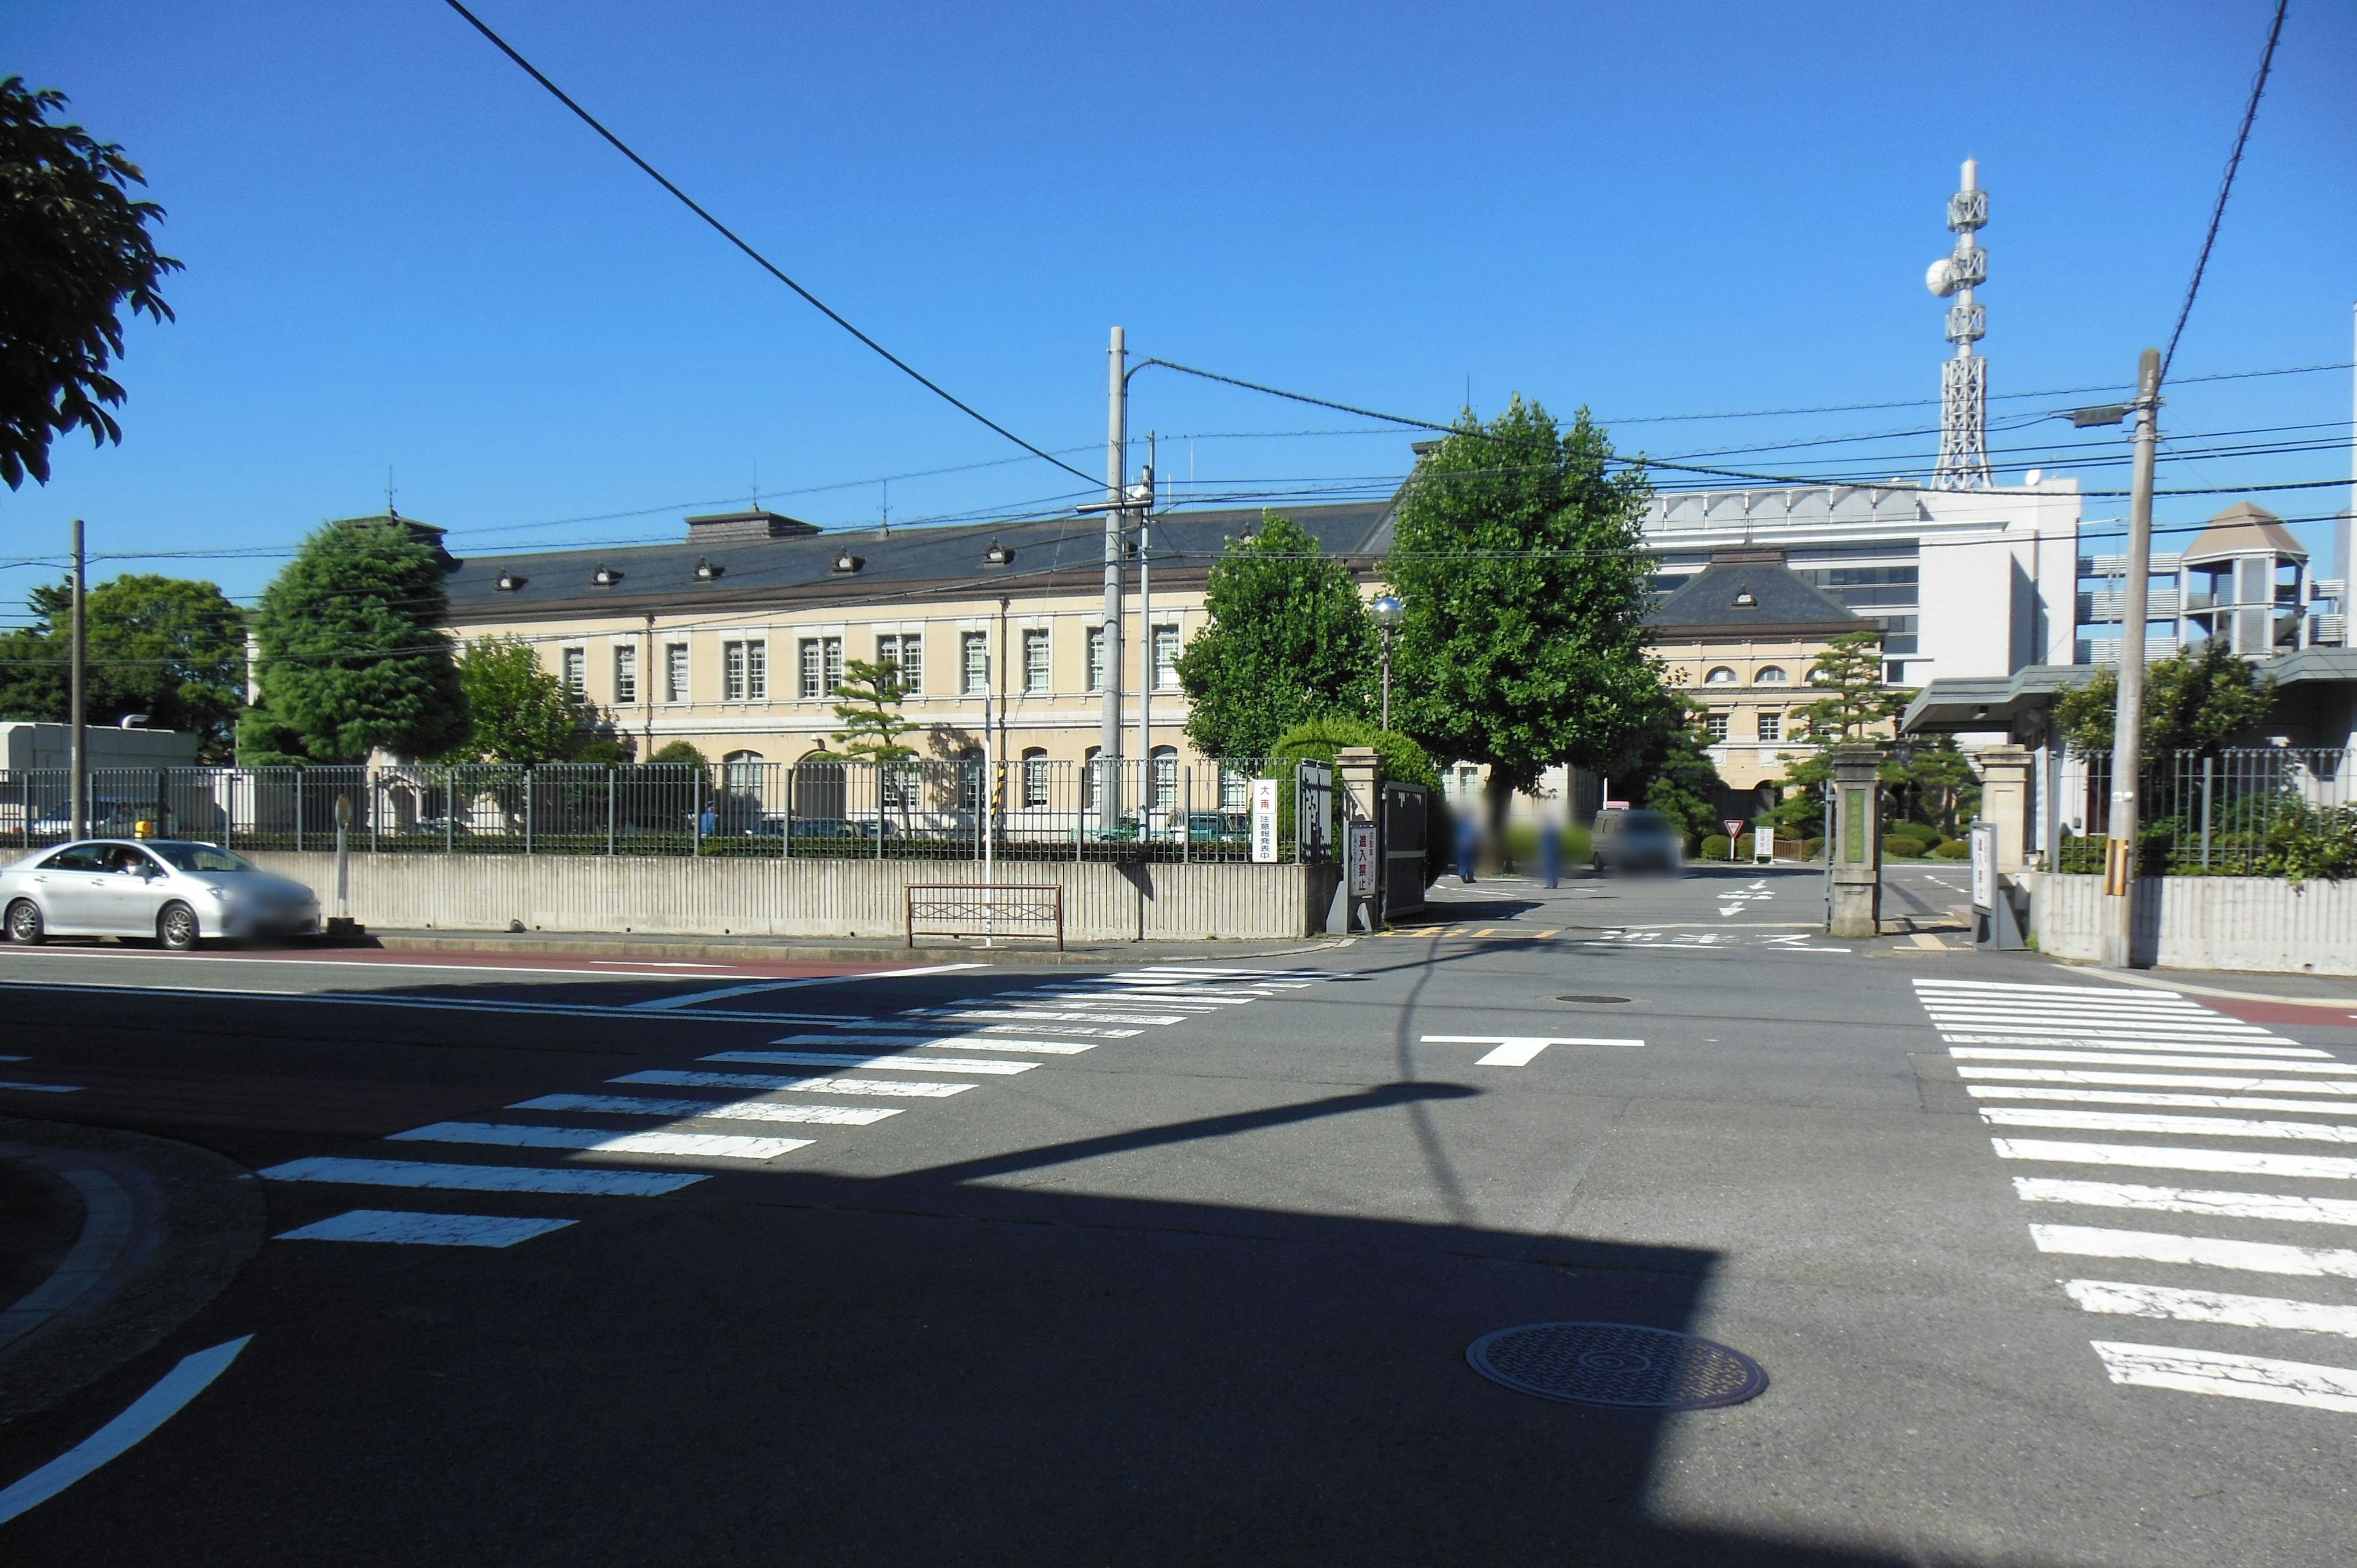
x: 761, y: 261
x: 2226, y: 185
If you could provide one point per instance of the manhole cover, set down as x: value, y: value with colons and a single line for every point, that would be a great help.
x: 1587, y: 998
x: 1619, y: 1364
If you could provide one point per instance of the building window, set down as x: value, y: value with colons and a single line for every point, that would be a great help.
x: 1165, y: 772
x: 1235, y: 790
x: 1720, y: 676
x: 675, y: 672
x: 1894, y: 673
x: 575, y: 665
x: 1096, y: 659
x: 906, y: 655
x: 1771, y: 726
x: 974, y: 662
x: 1770, y: 675
x: 1036, y: 671
x: 1035, y: 776
x: 740, y: 773
x: 819, y: 664
x: 1090, y: 778
x: 626, y: 674
x: 1715, y: 727
x: 1165, y: 658
x: 744, y: 672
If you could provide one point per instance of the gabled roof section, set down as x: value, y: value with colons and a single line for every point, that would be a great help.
x: 2244, y: 529
x: 1751, y: 592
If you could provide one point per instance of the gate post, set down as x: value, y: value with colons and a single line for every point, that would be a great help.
x: 1854, y: 850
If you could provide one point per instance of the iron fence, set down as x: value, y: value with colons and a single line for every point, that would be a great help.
x: 2234, y: 812
x: 1020, y: 808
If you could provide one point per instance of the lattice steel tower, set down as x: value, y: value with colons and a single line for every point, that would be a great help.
x: 1964, y: 380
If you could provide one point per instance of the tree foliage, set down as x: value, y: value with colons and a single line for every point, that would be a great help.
x: 1323, y: 739
x: 1673, y: 772
x: 74, y: 252
x: 678, y: 753
x: 870, y: 711
x: 170, y: 647
x: 522, y: 713
x: 1289, y: 640
x: 1516, y: 555
x: 1852, y: 703
x: 351, y: 657
x: 2195, y: 700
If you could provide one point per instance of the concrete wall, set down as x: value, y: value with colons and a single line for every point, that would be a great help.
x: 2207, y: 922
x: 816, y: 898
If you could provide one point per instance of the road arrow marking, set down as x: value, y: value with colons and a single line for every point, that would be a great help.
x: 1517, y: 1051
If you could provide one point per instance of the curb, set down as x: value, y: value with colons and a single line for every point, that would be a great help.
x: 166, y: 1228
x: 783, y: 952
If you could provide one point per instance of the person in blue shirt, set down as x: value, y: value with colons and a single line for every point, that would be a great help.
x: 1469, y: 846
x: 1551, y: 851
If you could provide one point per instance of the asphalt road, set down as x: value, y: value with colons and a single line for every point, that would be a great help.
x: 1180, y: 1265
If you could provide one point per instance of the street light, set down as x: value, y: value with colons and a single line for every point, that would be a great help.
x: 1389, y: 613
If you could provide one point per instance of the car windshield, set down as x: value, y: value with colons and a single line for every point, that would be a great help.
x: 203, y: 857
x: 1646, y: 822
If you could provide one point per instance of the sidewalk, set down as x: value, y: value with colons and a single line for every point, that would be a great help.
x: 881, y: 951
x: 109, y: 1241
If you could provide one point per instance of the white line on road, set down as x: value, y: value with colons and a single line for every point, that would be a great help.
x: 403, y: 1229
x: 2183, y: 1126
x: 599, y: 1141
x: 150, y: 1410
x: 482, y: 1178
x: 2206, y: 1251
x: 876, y: 1087
x: 1518, y: 1050
x: 1031, y: 1016
x: 714, y: 1109
x: 966, y: 1042
x: 697, y: 998
x: 2195, y: 1101
x: 43, y: 1088
x: 2239, y: 1082
x: 2081, y: 992
x: 2229, y: 1376
x: 2223, y: 1162
x: 2211, y: 1306
x: 873, y: 1063
x: 2212, y: 1057
x: 2188, y: 1200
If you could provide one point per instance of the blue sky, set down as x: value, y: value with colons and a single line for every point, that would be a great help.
x: 401, y: 253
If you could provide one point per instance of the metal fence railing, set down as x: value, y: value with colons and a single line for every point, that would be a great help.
x: 2231, y: 812
x: 1027, y: 808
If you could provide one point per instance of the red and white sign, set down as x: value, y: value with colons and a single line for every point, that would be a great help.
x: 1363, y: 860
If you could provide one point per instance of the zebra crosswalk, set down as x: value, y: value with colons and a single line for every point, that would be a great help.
x: 905, y: 1059
x: 2073, y: 1059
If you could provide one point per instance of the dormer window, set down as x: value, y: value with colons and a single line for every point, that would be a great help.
x: 847, y: 561
x: 1744, y: 601
x: 605, y: 576
x: 998, y: 555
x: 508, y: 583
x: 706, y: 571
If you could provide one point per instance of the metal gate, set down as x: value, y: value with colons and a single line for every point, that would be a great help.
x: 1406, y: 822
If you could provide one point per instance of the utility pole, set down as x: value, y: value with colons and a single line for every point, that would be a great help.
x: 77, y: 756
x: 1116, y: 478
x: 1146, y: 671
x: 2127, y: 722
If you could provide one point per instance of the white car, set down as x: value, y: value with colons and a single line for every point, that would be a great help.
x: 176, y: 892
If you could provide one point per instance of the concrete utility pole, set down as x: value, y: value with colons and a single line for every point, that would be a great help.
x: 77, y: 756
x: 1116, y: 478
x: 2127, y: 722
x: 1146, y: 666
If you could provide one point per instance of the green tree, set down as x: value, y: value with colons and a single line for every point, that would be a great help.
x: 1290, y: 639
x: 2196, y: 700
x: 75, y: 251
x: 1516, y: 553
x: 1323, y: 740
x: 522, y: 713
x: 679, y: 752
x: 1852, y: 703
x: 1940, y: 787
x: 1673, y: 773
x: 169, y: 648
x: 351, y: 658
x: 870, y: 711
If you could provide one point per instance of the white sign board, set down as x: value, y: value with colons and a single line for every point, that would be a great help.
x: 1763, y: 846
x: 1363, y: 860
x: 1984, y: 837
x: 1264, y: 822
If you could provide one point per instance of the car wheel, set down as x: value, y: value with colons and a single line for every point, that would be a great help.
x: 24, y: 923
x: 175, y: 928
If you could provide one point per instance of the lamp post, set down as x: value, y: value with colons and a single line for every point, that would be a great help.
x: 1389, y: 613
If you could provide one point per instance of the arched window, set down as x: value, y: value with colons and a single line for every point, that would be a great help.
x: 820, y: 788
x: 1090, y: 777
x: 741, y: 771
x: 1166, y: 778
x: 1035, y: 776
x: 1770, y: 675
x: 1720, y: 675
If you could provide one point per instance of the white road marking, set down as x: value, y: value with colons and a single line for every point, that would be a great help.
x: 599, y: 1141
x: 404, y: 1229
x: 968, y: 1042
x: 482, y: 1178
x: 2229, y: 1376
x: 2224, y: 1161
x: 2081, y: 992
x: 2216, y: 1057
x: 2211, y: 1306
x: 9, y: 1058
x: 716, y: 1110
x: 2207, y: 1251
x: 2188, y: 1200
x: 2239, y: 1082
x: 150, y: 1410
x: 1033, y: 1016
x: 2130, y: 1097
x: 2183, y: 1126
x: 697, y: 998
x: 42, y: 1087
x: 1518, y: 1050
x: 876, y: 1088
x: 875, y: 1063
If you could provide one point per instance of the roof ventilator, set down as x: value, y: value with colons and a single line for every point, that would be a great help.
x: 847, y: 561
x: 508, y: 583
x: 706, y: 571
x: 605, y: 576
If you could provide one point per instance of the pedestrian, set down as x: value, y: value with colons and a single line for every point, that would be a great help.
x: 709, y: 822
x: 1551, y: 851
x: 1468, y: 848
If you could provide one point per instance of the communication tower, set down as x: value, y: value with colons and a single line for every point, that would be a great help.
x: 1964, y: 379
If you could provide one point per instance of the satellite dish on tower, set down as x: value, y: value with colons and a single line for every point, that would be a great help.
x: 1939, y: 277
